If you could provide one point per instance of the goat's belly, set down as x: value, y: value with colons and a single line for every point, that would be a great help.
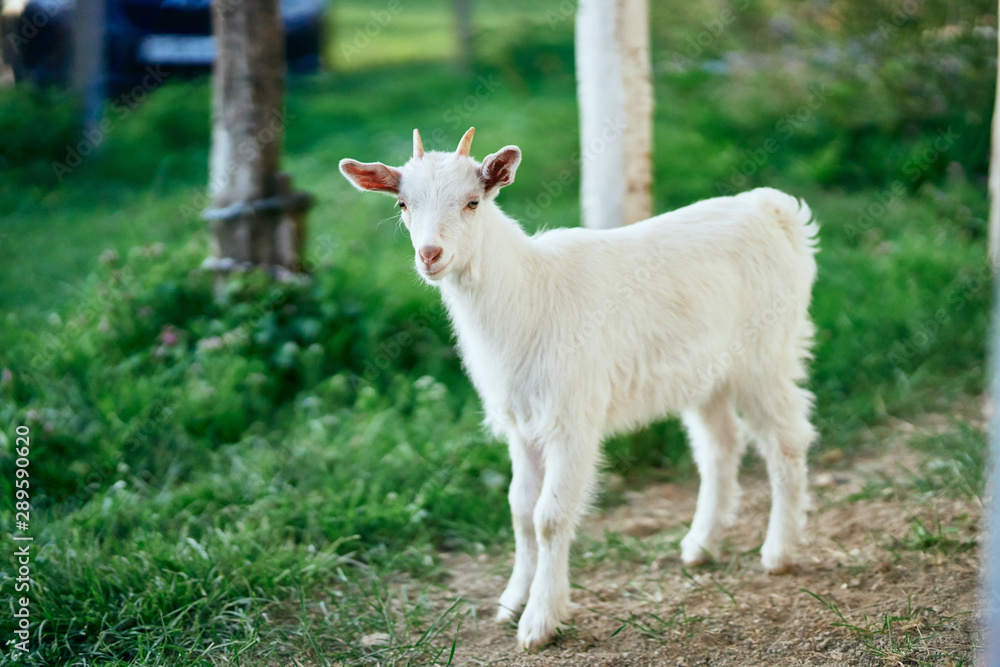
x: 629, y: 410
x: 648, y: 392
x: 621, y: 395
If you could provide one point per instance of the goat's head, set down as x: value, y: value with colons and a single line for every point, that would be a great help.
x: 440, y: 196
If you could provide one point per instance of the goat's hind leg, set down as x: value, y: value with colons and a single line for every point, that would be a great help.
x: 525, y: 485
x: 717, y: 443
x: 783, y: 433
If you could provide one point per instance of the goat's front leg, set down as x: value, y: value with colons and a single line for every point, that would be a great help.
x: 525, y: 485
x: 570, y: 469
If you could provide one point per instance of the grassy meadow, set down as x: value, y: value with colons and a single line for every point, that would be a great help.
x: 234, y: 481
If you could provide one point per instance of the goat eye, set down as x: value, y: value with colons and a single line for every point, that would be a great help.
x: 472, y: 205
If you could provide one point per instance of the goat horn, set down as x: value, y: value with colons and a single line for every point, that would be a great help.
x: 465, y: 145
x: 418, y: 145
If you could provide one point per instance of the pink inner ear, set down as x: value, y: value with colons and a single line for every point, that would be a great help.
x: 500, y: 175
x: 497, y: 170
x: 374, y: 177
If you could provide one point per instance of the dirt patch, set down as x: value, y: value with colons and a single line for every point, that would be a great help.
x: 888, y: 577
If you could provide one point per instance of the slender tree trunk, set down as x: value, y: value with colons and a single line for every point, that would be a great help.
x: 463, y: 25
x: 994, y: 179
x: 8, y: 44
x: 990, y: 605
x: 87, y: 69
x: 615, y: 92
x: 990, y: 622
x: 256, y: 218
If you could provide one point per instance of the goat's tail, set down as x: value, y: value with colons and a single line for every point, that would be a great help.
x: 791, y: 214
x: 796, y: 221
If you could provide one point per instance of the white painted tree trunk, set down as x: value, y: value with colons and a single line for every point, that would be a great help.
x: 991, y: 575
x: 990, y: 605
x: 615, y: 93
x: 256, y: 217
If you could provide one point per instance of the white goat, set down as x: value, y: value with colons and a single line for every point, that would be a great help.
x: 572, y: 334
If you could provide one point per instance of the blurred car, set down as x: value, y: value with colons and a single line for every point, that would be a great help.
x: 174, y: 36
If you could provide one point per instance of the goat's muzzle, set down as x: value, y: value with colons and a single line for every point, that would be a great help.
x: 430, y: 254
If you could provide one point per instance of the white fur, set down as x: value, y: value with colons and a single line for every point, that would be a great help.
x: 572, y: 334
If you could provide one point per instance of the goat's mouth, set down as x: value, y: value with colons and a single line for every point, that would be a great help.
x: 438, y: 271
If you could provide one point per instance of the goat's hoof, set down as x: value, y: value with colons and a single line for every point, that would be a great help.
x: 506, y: 615
x: 511, y: 604
x: 701, y: 558
x: 532, y: 640
x: 777, y: 561
x: 781, y: 568
x: 693, y: 554
x: 535, y: 630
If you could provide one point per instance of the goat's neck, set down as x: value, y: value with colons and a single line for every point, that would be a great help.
x: 493, y: 293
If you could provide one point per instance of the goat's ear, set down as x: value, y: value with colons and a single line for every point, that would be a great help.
x: 373, y: 176
x: 497, y: 170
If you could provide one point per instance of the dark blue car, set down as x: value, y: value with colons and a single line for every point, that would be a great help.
x: 167, y: 35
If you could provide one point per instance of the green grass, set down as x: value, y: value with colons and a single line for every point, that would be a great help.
x: 658, y: 629
x: 897, y: 639
x: 245, y: 493
x: 957, y: 463
x: 953, y: 464
x: 935, y: 540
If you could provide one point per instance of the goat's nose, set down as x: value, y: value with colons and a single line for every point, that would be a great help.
x: 430, y: 254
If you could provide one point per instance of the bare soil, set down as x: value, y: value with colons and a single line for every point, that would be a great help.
x: 910, y: 594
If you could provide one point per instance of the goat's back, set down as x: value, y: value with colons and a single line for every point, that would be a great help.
x: 653, y: 317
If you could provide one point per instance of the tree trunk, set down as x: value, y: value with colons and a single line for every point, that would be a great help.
x: 256, y: 218
x: 990, y: 622
x: 994, y: 180
x: 463, y: 25
x: 9, y: 43
x: 615, y: 92
x: 87, y: 69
